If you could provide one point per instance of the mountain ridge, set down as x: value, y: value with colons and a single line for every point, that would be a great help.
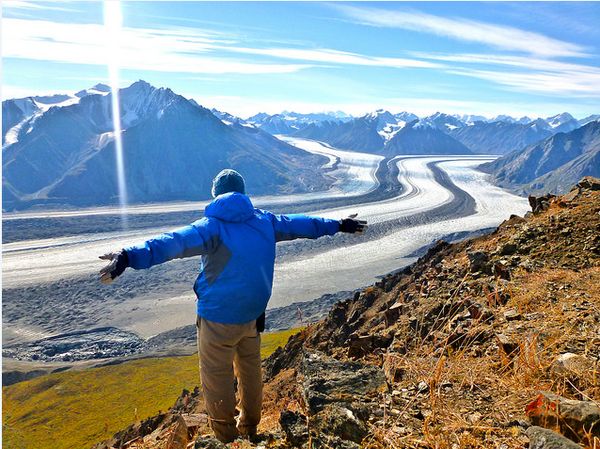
x: 65, y: 154
x: 549, y: 165
x: 44, y: 165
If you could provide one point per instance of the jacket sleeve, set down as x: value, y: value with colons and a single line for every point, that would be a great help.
x: 196, y: 239
x: 295, y: 226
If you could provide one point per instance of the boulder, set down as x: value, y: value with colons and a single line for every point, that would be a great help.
x: 577, y: 420
x: 590, y: 183
x: 339, y: 420
x: 540, y: 438
x: 178, y: 434
x: 540, y: 203
x: 327, y: 381
x: 340, y: 396
x: 572, y: 365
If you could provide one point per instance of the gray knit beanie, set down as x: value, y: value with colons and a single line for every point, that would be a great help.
x: 228, y: 180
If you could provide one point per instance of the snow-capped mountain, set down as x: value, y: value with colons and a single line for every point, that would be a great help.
x: 470, y: 119
x: 14, y: 112
x: 442, y: 122
x: 173, y: 148
x: 289, y: 122
x: 562, y: 123
x: 385, y: 123
x: 382, y: 132
x: 420, y: 137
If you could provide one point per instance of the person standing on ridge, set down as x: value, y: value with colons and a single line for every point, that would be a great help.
x: 237, y: 245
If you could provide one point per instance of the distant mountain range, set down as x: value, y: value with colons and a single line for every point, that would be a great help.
x: 62, y: 150
x: 373, y: 132
x: 389, y: 134
x: 551, y: 165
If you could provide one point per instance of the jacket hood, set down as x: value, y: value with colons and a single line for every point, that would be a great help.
x: 232, y: 206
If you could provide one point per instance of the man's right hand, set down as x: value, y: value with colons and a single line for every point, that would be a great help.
x: 118, y: 262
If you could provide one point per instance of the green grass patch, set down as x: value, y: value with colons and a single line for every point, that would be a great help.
x: 75, y: 409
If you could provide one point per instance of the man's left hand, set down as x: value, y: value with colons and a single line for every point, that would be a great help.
x: 352, y: 226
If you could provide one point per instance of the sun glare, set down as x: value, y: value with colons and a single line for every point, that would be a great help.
x: 112, y: 22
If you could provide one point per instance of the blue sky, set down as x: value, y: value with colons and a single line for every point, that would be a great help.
x: 488, y: 58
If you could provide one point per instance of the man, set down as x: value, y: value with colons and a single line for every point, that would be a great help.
x: 237, y: 245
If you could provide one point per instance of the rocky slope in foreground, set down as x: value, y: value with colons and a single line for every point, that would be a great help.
x: 492, y: 342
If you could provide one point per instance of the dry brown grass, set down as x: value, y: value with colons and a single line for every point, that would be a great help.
x: 477, y: 391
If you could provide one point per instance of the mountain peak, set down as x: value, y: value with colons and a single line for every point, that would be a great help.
x: 99, y: 88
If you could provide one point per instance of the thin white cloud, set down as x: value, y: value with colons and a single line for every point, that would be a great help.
x: 538, y: 75
x: 337, y: 57
x: 32, y: 6
x: 498, y: 36
x: 142, y: 49
x: 567, y: 84
x: 179, y: 50
x: 514, y: 61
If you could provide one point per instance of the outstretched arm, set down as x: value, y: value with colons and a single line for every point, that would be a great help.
x: 195, y: 239
x: 290, y: 227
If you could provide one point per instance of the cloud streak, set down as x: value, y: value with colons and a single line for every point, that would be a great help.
x: 329, y: 57
x: 568, y: 84
x: 142, y: 49
x: 497, y: 36
x: 536, y: 75
x: 174, y: 50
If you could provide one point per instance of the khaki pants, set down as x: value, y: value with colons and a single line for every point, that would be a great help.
x: 225, y: 351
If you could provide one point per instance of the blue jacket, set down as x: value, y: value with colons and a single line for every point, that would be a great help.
x: 237, y: 245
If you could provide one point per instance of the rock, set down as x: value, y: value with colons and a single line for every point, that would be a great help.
x: 178, y: 434
x: 478, y: 311
x: 475, y: 418
x: 508, y: 249
x: 572, y: 195
x: 359, y: 345
x: 208, y: 443
x: 577, y: 420
x: 512, y: 315
x: 502, y: 271
x: 329, y: 442
x: 423, y: 387
x: 590, y: 183
x: 391, y: 367
x: 295, y: 426
x: 393, y: 312
x: 327, y: 380
x: 479, y: 261
x: 540, y: 203
x: 340, y: 396
x: 508, y: 345
x: 138, y: 430
x: 339, y: 421
x: 572, y: 365
x: 540, y: 438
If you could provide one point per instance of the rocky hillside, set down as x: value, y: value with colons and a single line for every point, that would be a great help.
x: 492, y: 342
